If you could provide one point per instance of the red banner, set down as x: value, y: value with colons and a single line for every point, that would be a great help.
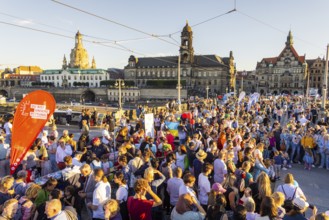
x: 31, y: 115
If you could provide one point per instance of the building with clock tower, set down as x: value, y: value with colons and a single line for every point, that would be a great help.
x: 285, y: 73
x: 198, y: 72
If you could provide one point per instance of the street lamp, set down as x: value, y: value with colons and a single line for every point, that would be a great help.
x: 243, y: 74
x: 305, y: 65
x: 207, y: 89
x: 119, y: 83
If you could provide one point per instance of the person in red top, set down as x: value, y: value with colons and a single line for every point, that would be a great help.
x: 139, y: 207
x: 170, y: 139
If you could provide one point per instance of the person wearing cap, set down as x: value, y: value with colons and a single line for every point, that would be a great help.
x: 296, y: 208
x: 198, y: 162
x: 98, y: 148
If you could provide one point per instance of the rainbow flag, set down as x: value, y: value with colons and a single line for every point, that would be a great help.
x: 173, y: 127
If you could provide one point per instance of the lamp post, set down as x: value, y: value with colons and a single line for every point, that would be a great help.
x: 325, y: 82
x: 207, y: 89
x: 305, y: 65
x: 14, y: 97
x: 119, y: 83
x: 178, y: 85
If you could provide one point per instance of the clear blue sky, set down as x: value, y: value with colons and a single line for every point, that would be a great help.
x: 249, y: 39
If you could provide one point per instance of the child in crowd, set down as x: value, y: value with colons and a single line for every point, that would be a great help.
x: 286, y: 161
x: 278, y: 162
x: 279, y: 201
x: 250, y: 206
x: 246, y: 196
x: 69, y: 198
x: 308, y: 158
x: 106, y: 164
x: 269, y: 164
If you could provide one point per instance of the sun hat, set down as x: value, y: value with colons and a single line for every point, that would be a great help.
x: 218, y: 188
x: 300, y: 203
x: 201, y: 155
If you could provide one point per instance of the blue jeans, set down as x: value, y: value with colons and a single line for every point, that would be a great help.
x: 327, y: 161
x: 294, y: 148
x: 323, y: 157
x: 259, y: 168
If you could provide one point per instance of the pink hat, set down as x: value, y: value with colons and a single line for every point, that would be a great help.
x: 218, y: 188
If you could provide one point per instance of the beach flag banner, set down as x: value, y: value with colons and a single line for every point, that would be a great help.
x: 173, y: 127
x: 241, y: 96
x: 149, y: 125
x: 31, y: 115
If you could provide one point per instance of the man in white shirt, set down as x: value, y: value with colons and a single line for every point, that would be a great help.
x: 204, y: 184
x: 62, y: 151
x: 8, y: 128
x: 189, y: 181
x: 68, y: 116
x: 174, y: 184
x: 220, y: 169
x: 106, y: 135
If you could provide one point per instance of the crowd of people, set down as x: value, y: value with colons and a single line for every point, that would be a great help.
x: 225, y: 163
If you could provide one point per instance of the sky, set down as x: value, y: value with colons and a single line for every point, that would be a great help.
x: 257, y: 29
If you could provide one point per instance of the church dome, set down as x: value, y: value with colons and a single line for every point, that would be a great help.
x: 187, y: 28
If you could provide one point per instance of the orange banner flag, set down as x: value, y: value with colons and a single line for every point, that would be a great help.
x: 31, y: 115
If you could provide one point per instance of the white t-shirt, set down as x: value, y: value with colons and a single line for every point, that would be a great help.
x: 101, y: 193
x: 106, y: 136
x: 8, y: 126
x: 204, y: 188
x: 220, y: 170
x: 122, y: 194
x: 288, y: 191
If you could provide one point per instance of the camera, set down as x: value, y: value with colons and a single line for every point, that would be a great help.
x: 311, y: 206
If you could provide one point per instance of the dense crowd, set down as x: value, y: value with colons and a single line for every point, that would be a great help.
x: 224, y: 164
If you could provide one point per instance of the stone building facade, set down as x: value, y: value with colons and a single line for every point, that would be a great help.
x: 77, y: 72
x: 197, y: 71
x: 316, y: 68
x: 284, y: 73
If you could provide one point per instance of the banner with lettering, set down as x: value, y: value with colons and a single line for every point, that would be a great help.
x: 31, y: 115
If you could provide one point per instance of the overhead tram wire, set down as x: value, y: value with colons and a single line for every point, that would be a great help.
x: 56, y: 34
x: 140, y: 31
x: 279, y: 30
x: 114, y: 22
x: 207, y: 20
x: 88, y: 41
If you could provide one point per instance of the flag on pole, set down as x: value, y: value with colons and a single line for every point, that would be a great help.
x: 30, y: 117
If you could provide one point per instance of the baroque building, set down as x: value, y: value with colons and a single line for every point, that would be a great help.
x: 316, y: 68
x: 197, y: 72
x: 77, y: 72
x: 284, y: 73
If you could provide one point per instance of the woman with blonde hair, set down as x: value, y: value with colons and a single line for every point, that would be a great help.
x: 259, y: 163
x: 268, y: 208
x: 231, y: 194
x: 260, y: 189
x: 112, y: 210
x: 6, y: 192
x: 27, y: 202
x: 279, y: 201
x: 289, y: 188
x: 184, y: 209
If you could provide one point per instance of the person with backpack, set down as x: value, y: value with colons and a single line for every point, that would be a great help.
x: 289, y: 189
